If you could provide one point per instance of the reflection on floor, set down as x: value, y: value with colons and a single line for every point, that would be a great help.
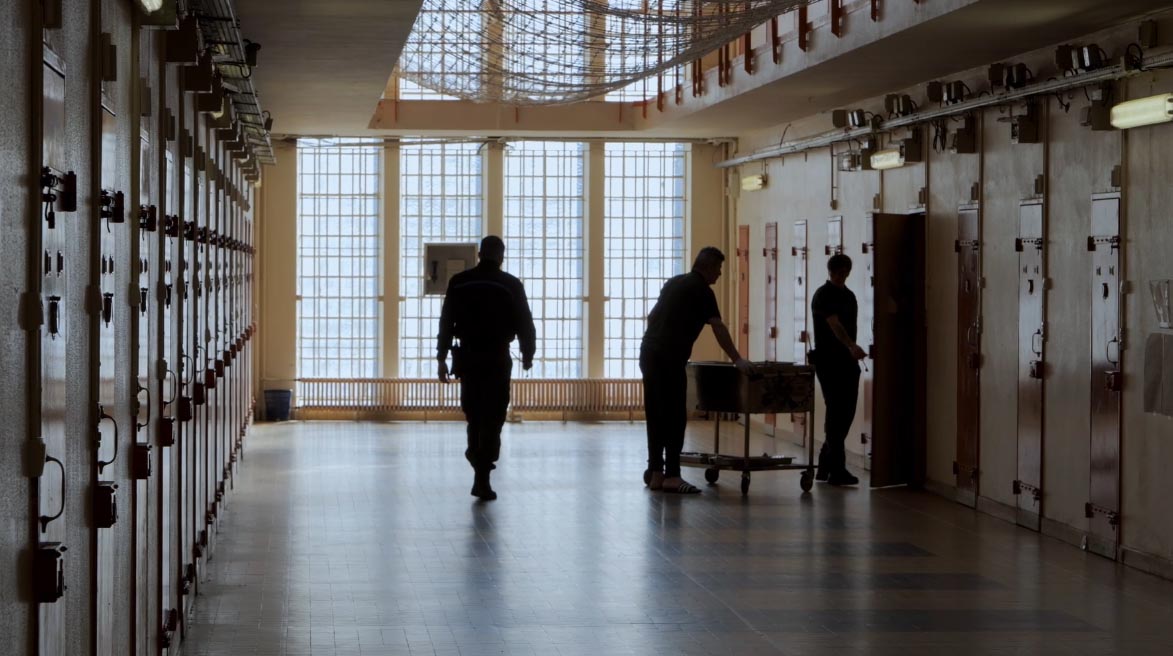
x: 346, y: 538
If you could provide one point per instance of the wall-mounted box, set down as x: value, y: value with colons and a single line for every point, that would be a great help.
x: 442, y: 261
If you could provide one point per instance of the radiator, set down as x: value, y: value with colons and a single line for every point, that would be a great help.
x: 410, y: 398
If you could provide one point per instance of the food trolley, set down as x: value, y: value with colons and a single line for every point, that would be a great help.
x: 776, y: 387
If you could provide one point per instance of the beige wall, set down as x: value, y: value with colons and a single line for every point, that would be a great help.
x: 277, y: 221
x: 1076, y: 162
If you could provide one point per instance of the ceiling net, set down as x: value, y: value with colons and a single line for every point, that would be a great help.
x: 538, y: 52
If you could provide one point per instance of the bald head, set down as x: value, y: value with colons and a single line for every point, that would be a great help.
x: 492, y: 249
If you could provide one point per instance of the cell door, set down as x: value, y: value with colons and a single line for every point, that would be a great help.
x: 167, y: 388
x: 898, y: 425
x: 743, y: 290
x: 770, y: 252
x: 1103, y: 508
x: 834, y: 236
x: 969, y: 352
x: 145, y: 349
x: 800, y: 306
x: 1032, y: 290
x: 188, y: 374
x: 865, y: 282
x: 105, y: 493
x: 58, y: 205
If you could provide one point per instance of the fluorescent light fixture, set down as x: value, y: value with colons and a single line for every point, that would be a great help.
x: 151, y: 6
x: 753, y: 182
x: 1143, y: 111
x: 890, y: 158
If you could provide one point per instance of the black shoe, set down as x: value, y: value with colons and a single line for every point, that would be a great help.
x: 822, y: 475
x: 482, y: 489
x: 842, y: 478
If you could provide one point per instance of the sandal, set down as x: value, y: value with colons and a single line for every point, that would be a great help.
x: 684, y: 487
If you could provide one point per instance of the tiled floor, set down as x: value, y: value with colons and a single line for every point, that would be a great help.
x: 345, y: 538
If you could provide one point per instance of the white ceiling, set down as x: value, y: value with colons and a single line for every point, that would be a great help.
x: 323, y: 64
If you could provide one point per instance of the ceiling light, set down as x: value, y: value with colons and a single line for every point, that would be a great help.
x: 889, y: 158
x: 1144, y: 111
x: 151, y: 6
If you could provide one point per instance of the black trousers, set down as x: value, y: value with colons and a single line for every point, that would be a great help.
x: 665, y: 389
x: 839, y: 380
x: 484, y: 398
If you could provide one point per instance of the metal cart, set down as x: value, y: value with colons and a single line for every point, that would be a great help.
x: 777, y: 387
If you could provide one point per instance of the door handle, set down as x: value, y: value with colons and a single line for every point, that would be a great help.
x: 45, y: 519
x: 102, y: 416
x: 142, y: 389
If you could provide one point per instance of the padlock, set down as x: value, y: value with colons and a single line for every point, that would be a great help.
x: 185, y: 410
x: 199, y: 394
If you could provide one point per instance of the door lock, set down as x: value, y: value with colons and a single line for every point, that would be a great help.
x: 105, y: 504
x: 49, y: 572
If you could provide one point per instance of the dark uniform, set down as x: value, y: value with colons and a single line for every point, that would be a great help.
x: 837, y: 371
x: 685, y: 305
x: 485, y: 308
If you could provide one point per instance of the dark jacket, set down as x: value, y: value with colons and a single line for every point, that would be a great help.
x: 486, y: 308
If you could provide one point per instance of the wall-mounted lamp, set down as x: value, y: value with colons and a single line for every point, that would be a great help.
x: 753, y: 182
x: 250, y: 53
x: 889, y: 158
x: 1143, y: 111
x: 268, y: 121
x: 150, y: 6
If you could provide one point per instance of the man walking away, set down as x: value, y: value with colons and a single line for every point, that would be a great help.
x: 835, y: 358
x: 685, y: 305
x: 485, y: 308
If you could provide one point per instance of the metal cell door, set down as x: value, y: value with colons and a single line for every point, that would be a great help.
x: 866, y: 331
x: 899, y: 349
x: 105, y: 493
x: 1103, y: 508
x: 1032, y: 290
x: 834, y: 236
x: 167, y: 388
x: 770, y: 252
x: 58, y: 203
x: 800, y: 305
x: 969, y: 349
x: 743, y: 290
x: 146, y: 353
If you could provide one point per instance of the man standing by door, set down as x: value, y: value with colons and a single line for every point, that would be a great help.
x: 485, y: 308
x: 685, y: 305
x: 836, y: 358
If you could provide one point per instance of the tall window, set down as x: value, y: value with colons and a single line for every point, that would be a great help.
x: 338, y: 244
x: 440, y: 201
x: 544, y: 238
x: 643, y: 244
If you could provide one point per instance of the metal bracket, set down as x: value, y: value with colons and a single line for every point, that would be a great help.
x: 804, y: 29
x: 1018, y: 486
x: 1090, y: 510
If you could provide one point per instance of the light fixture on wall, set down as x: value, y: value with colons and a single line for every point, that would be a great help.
x: 889, y: 158
x: 150, y: 6
x: 753, y: 182
x: 1143, y: 111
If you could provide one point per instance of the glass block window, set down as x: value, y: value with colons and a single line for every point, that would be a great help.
x: 544, y: 226
x: 339, y: 251
x: 643, y: 242
x: 440, y: 200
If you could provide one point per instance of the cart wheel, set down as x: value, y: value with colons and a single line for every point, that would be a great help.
x: 806, y: 482
x: 744, y: 483
x: 711, y: 474
x: 647, y: 477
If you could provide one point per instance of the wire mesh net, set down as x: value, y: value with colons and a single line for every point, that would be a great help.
x: 540, y: 52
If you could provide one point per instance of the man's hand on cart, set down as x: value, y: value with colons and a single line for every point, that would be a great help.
x: 745, y: 366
